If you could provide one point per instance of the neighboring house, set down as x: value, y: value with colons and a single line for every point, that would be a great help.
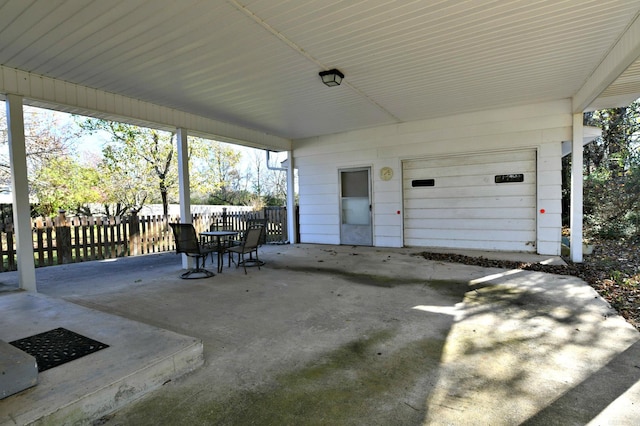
x: 447, y: 131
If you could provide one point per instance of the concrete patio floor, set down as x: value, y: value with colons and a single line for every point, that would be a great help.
x: 327, y: 335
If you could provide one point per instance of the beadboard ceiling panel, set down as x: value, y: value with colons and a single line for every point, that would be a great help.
x: 627, y: 84
x: 255, y: 63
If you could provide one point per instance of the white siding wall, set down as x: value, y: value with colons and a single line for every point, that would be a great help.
x: 540, y: 126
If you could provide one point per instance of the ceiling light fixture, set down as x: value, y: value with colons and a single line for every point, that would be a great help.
x: 332, y: 77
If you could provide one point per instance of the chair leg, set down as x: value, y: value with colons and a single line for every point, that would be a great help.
x: 255, y: 261
x: 242, y: 260
x: 199, y: 270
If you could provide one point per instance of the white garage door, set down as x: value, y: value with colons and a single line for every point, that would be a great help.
x: 481, y: 201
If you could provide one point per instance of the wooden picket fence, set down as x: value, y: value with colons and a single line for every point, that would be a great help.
x: 62, y: 239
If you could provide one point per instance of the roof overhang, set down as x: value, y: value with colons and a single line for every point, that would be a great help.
x: 247, y: 72
x: 590, y: 134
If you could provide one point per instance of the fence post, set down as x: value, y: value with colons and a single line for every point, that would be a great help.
x: 134, y: 233
x: 11, y: 252
x: 225, y: 225
x: 284, y: 220
x: 63, y: 238
x: 38, y: 227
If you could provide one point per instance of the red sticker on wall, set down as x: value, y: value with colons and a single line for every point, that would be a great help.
x: 542, y: 211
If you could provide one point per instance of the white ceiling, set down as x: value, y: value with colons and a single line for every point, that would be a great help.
x: 255, y: 63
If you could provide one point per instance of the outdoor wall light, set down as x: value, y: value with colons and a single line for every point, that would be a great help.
x: 332, y: 77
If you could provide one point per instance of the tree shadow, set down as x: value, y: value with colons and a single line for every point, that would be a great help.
x: 519, y: 345
x: 585, y: 401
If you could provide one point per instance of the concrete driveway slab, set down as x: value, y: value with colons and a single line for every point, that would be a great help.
x: 326, y: 335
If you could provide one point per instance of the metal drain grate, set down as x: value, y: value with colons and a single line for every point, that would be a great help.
x: 56, y: 347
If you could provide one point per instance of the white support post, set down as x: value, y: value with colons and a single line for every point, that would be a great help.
x: 576, y: 189
x: 20, y: 192
x: 183, y: 184
x: 292, y: 230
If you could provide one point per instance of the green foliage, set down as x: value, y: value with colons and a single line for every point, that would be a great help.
x: 65, y: 184
x: 215, y: 174
x: 269, y: 185
x: 612, y: 203
x: 612, y: 174
x: 138, y: 165
x: 46, y: 138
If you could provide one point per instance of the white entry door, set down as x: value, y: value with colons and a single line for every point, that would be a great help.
x: 355, y: 207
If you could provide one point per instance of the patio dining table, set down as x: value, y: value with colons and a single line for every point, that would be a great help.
x: 220, y: 238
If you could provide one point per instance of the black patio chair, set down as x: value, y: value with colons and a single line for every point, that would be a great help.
x: 259, y: 222
x: 249, y: 244
x: 187, y: 242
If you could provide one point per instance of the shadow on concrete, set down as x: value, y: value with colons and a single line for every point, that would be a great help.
x: 346, y: 335
x: 589, y: 399
x: 520, y: 341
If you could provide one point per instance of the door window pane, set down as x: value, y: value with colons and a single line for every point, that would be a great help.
x: 355, y: 184
x: 355, y: 211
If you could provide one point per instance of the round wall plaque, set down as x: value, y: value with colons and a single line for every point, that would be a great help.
x: 386, y: 173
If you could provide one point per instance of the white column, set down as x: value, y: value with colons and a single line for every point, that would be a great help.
x: 20, y: 192
x: 183, y: 184
x: 291, y: 200
x: 576, y: 189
